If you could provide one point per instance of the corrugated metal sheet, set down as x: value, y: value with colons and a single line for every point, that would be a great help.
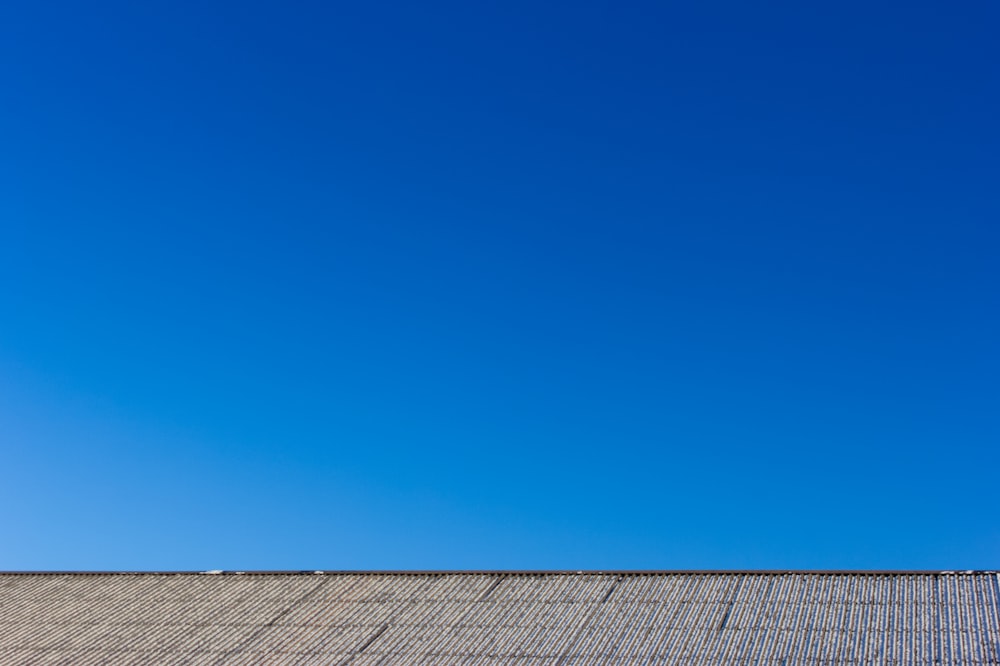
x: 555, y: 619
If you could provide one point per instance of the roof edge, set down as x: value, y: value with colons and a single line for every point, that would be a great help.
x: 512, y: 572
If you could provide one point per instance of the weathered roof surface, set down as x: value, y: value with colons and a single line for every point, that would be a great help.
x: 555, y: 618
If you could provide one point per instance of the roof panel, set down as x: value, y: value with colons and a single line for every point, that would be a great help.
x: 501, y: 617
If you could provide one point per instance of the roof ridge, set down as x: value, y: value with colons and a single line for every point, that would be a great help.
x: 510, y: 572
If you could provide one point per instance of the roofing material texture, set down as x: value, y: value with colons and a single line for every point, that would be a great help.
x: 539, y: 618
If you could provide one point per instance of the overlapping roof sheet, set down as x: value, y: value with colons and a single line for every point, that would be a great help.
x: 552, y: 619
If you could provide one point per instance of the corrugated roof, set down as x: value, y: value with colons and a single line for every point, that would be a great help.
x: 524, y: 618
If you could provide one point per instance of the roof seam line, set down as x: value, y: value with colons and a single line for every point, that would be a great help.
x: 364, y: 646
x: 253, y: 636
x: 732, y: 602
x: 385, y: 625
x: 579, y: 632
x: 489, y: 590
x: 612, y: 589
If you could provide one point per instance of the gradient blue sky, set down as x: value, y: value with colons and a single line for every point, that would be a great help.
x: 499, y: 285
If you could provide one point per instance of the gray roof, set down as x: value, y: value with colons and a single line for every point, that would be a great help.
x: 550, y: 618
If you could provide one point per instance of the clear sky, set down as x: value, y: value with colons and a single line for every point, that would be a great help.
x: 333, y: 285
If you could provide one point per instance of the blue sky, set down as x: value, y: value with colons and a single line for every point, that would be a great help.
x: 499, y: 285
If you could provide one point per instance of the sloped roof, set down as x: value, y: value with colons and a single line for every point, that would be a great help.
x: 525, y: 618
